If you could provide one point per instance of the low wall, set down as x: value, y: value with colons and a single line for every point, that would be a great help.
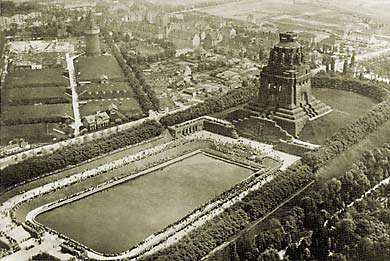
x: 291, y: 148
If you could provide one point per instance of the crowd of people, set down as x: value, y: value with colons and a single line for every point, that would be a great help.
x: 12, y: 245
x: 201, y: 214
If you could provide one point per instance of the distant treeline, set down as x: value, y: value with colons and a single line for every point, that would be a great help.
x: 376, y: 90
x: 10, y: 8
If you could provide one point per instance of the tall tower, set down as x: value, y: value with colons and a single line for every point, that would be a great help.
x: 285, y: 87
x: 92, y: 36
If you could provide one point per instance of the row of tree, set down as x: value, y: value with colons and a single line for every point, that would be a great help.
x: 51, y: 100
x: 212, y: 105
x: 217, y: 231
x: 357, y: 130
x: 142, y: 97
x: 75, y: 154
x: 129, y: 57
x: 378, y: 91
x: 141, y: 59
x: 43, y: 119
x: 310, y: 231
x: 146, y: 87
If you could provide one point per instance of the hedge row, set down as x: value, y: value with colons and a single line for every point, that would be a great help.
x: 75, y: 154
x: 348, y: 136
x: 367, y: 88
x: 212, y: 105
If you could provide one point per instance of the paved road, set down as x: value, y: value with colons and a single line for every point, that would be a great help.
x: 13, y: 159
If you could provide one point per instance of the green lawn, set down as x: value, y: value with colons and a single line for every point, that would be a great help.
x: 48, y: 77
x: 32, y: 93
x: 343, y: 162
x: 115, y: 219
x: 32, y: 133
x: 91, y: 68
x: 35, y: 112
x: 347, y: 107
x: 127, y: 107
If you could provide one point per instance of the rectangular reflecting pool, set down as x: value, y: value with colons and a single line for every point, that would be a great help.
x: 118, y: 218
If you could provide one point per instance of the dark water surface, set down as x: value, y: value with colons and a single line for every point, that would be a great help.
x: 116, y: 219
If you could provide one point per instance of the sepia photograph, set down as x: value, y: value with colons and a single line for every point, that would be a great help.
x: 195, y: 130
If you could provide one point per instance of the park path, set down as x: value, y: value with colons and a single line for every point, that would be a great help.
x: 365, y: 194
x: 75, y: 100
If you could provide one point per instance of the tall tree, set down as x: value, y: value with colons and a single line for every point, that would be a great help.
x: 345, y: 67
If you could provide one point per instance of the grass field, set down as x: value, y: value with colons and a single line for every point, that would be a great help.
x: 107, y: 87
x: 32, y: 133
x: 33, y: 93
x: 347, y: 107
x: 35, y: 112
x: 31, y: 87
x: 115, y: 219
x: 148, y: 50
x: 49, y: 77
x: 126, y: 106
x: 343, y: 162
x: 91, y: 68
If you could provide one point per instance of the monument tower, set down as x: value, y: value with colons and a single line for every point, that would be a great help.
x: 285, y: 87
x: 92, y: 36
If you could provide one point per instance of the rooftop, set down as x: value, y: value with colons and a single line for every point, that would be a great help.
x: 100, y: 115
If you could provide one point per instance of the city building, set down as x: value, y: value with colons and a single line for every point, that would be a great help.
x: 96, y: 121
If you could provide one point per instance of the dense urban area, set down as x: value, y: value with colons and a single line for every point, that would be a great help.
x: 218, y: 130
